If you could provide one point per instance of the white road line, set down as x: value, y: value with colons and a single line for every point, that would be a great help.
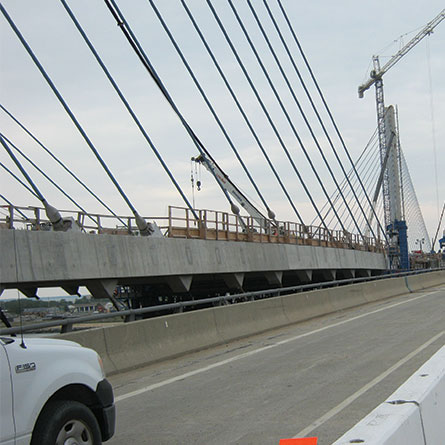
x: 331, y: 413
x: 264, y: 348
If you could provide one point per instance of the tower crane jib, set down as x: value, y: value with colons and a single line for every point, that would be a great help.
x: 377, y: 74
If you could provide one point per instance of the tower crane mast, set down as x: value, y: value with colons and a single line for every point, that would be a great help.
x: 396, y: 229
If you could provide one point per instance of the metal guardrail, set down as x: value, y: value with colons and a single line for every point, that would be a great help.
x: 180, y: 223
x: 131, y: 314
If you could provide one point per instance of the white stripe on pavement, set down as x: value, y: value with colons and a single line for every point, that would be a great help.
x: 262, y: 349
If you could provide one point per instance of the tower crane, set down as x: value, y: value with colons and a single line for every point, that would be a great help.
x: 395, y: 226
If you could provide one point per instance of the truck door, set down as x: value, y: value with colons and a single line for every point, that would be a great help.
x: 7, y: 429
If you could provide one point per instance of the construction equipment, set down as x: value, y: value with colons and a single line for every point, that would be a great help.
x: 396, y: 228
x: 265, y: 223
x: 378, y: 72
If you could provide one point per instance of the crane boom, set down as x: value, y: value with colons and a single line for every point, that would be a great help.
x: 211, y: 165
x: 377, y: 74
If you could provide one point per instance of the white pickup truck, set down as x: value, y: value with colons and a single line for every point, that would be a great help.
x: 53, y: 392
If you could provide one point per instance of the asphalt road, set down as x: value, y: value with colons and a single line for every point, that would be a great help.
x: 316, y: 378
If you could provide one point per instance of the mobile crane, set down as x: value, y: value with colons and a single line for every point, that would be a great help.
x: 395, y: 226
x: 266, y: 223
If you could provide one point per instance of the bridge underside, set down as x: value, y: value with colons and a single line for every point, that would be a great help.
x: 168, y: 266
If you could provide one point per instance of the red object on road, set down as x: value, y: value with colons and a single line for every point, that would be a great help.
x: 304, y: 441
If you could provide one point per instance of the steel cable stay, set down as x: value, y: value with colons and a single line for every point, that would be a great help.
x: 134, y: 43
x: 411, y: 198
x: 337, y: 131
x: 52, y: 213
x: 369, y: 177
x: 62, y: 164
x: 363, y: 156
x: 127, y: 106
x: 376, y: 169
x: 210, y: 107
x: 280, y: 102
x: 140, y: 222
x: 369, y: 173
x: 30, y: 161
x: 263, y: 107
x: 27, y: 187
x: 241, y: 110
x: 363, y: 159
x: 297, y: 102
x: 314, y: 108
x: 370, y: 164
x: 12, y: 205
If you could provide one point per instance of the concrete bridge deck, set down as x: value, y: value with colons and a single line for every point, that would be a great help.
x: 218, y: 253
x: 34, y: 259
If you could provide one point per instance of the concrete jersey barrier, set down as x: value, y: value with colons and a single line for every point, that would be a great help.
x: 140, y: 343
x: 412, y: 415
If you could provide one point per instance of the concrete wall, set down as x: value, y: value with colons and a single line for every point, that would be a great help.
x: 412, y: 415
x: 142, y: 342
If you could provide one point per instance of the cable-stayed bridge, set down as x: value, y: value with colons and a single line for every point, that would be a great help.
x: 198, y: 252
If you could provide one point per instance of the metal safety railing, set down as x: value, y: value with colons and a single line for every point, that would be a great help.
x: 130, y: 315
x: 216, y: 225
x: 210, y: 225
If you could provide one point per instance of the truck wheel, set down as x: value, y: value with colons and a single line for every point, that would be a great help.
x: 66, y: 422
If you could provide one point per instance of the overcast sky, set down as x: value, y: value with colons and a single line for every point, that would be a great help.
x: 339, y: 39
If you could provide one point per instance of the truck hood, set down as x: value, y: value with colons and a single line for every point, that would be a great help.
x: 41, y: 341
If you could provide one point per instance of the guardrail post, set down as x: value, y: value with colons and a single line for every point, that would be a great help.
x: 250, y: 228
x: 216, y: 226
x: 66, y: 328
x: 11, y: 217
x: 129, y: 318
x: 80, y: 218
x: 237, y: 227
x: 203, y: 224
x: 37, y: 217
x: 179, y: 309
x: 170, y: 227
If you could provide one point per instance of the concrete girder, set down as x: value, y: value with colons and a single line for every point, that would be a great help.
x: 274, y: 278
x: 71, y: 289
x: 103, y: 289
x: 362, y: 273
x: 328, y: 274
x: 29, y: 291
x: 344, y: 274
x: 179, y: 283
x: 305, y: 276
x: 234, y: 280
